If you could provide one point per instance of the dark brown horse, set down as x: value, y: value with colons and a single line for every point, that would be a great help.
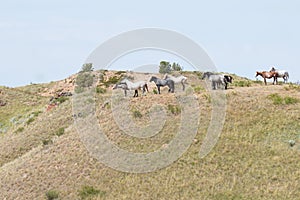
x: 268, y: 75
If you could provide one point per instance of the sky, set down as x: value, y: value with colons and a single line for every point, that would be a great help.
x: 43, y: 41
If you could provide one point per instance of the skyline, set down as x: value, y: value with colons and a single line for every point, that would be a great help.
x: 50, y: 40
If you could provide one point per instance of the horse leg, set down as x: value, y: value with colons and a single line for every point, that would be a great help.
x: 125, y: 92
x: 146, y: 86
x: 135, y: 93
x: 265, y: 81
x: 275, y: 79
x: 183, y: 86
x: 158, y: 88
x: 213, y: 84
x: 144, y: 89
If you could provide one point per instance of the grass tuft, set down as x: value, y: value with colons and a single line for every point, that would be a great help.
x: 242, y: 83
x: 51, y: 195
x: 278, y: 100
x: 60, y: 131
x: 89, y: 191
x: 174, y: 109
x: 137, y: 114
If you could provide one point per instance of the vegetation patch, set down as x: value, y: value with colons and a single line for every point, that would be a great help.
x: 278, y: 100
x: 100, y: 90
x: 242, y: 83
x: 89, y: 191
x: 47, y: 142
x: 198, y: 89
x: 174, y: 109
x: 292, y: 87
x: 136, y: 114
x: 30, y: 120
x: 112, y: 80
x: 61, y: 99
x: 19, y: 130
x: 120, y: 72
x: 51, y: 195
x: 60, y: 131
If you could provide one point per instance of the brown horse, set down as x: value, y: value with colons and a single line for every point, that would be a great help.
x: 268, y: 75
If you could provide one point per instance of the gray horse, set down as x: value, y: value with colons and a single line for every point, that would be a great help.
x: 218, y: 79
x: 162, y: 82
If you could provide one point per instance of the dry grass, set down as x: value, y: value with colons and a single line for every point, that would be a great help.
x: 252, y: 159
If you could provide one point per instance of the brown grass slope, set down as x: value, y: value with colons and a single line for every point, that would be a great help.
x: 252, y: 159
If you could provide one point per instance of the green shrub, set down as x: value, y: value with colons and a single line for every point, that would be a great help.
x: 242, y: 83
x: 47, y: 141
x: 60, y: 131
x: 290, y: 100
x: 78, y: 89
x: 155, y: 91
x: 174, y: 109
x: 87, y: 67
x: 30, y: 120
x: 292, y: 86
x: 100, y: 90
x: 62, y: 99
x: 197, y: 89
x: 84, y: 79
x: 19, y: 130
x: 112, y: 80
x: 36, y: 113
x: 137, y: 114
x: 51, y: 195
x: 88, y: 191
x: 120, y: 72
x: 278, y: 100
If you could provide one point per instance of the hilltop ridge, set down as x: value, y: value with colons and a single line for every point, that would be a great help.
x: 41, y: 151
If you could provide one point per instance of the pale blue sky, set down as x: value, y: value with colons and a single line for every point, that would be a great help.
x: 49, y: 40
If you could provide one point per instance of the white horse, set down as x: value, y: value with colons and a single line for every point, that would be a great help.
x: 218, y: 79
x: 180, y: 79
x: 128, y: 85
x: 281, y: 74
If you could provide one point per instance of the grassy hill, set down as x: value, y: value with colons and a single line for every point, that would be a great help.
x: 256, y: 157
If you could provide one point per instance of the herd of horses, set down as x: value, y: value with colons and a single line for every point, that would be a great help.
x: 217, y: 81
x: 275, y: 74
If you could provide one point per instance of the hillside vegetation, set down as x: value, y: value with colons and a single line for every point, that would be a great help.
x: 256, y: 156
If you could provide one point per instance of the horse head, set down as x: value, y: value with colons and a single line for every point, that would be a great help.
x: 206, y: 74
x: 120, y: 85
x: 228, y: 78
x: 153, y: 78
x: 257, y: 73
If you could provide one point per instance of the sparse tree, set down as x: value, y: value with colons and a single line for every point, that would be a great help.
x: 164, y: 67
x: 176, y: 67
x: 87, y: 67
x: 84, y: 80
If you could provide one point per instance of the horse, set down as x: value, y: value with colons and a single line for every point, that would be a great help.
x: 281, y: 74
x: 128, y: 85
x: 180, y: 79
x: 163, y: 82
x: 268, y: 75
x: 218, y: 79
x: 122, y: 86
